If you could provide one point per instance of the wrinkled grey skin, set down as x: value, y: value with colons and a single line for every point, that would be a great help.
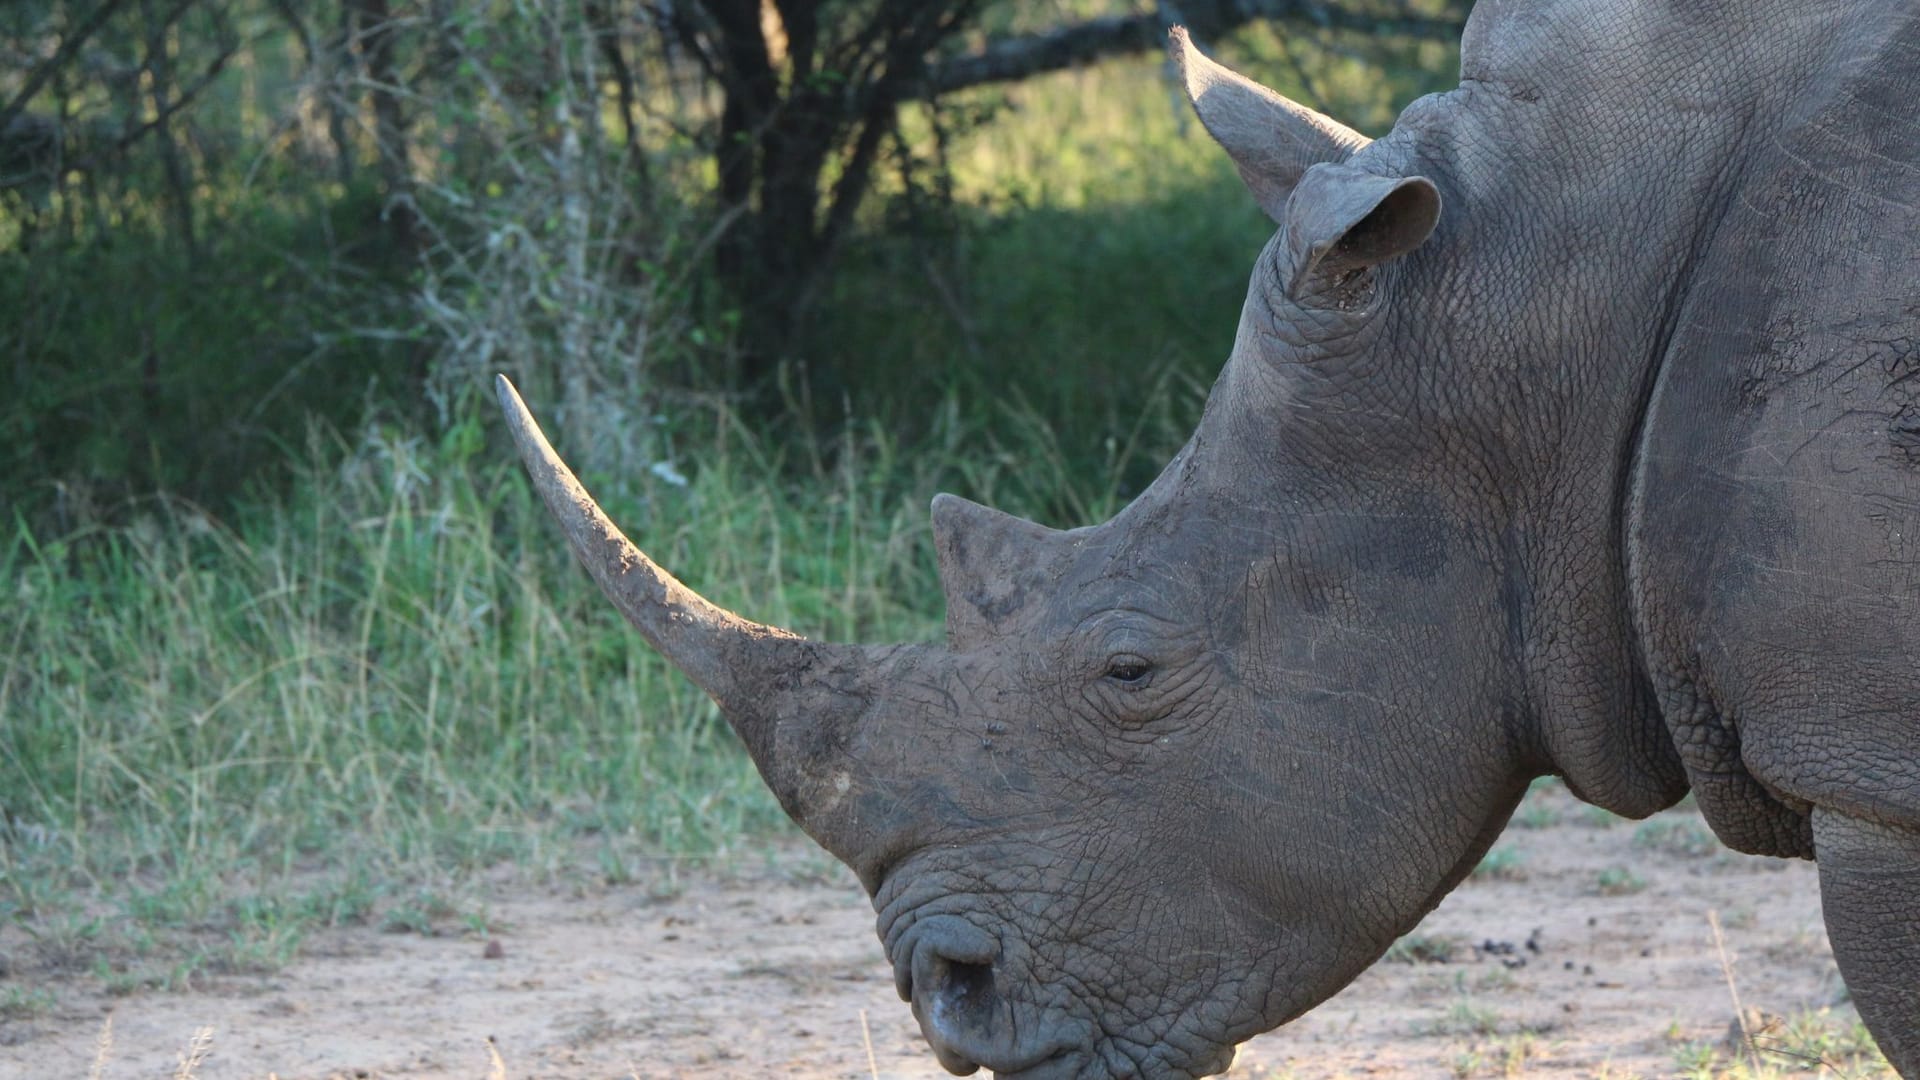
x: 1572, y: 428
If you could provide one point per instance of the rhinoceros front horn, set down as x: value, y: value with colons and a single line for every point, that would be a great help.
x: 795, y: 703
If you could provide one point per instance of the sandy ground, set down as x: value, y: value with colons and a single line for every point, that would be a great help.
x: 1587, y: 952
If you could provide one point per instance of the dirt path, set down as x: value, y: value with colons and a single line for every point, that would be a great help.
x: 1584, y: 951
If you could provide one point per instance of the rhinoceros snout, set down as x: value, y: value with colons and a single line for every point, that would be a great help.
x: 947, y: 968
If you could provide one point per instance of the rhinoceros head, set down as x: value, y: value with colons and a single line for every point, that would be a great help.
x: 1177, y: 777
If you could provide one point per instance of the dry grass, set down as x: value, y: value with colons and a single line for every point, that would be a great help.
x: 195, y: 1054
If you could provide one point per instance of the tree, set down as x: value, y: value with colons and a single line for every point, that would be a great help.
x: 411, y: 190
x: 812, y: 88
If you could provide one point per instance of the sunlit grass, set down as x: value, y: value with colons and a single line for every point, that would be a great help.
x: 396, y: 672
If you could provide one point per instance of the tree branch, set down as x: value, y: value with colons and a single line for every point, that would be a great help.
x: 1011, y: 59
x: 179, y: 101
x: 68, y: 47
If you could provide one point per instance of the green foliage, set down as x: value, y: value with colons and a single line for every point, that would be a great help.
x: 1677, y: 836
x: 135, y: 368
x: 24, y: 1003
x: 1810, y: 1042
x: 1818, y: 1040
x: 1085, y: 290
x: 1536, y: 814
x: 397, y: 667
x: 1541, y: 808
x: 1463, y: 1016
x: 1507, y: 1055
x: 1079, y: 301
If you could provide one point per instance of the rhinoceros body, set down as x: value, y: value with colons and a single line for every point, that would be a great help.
x: 1572, y: 428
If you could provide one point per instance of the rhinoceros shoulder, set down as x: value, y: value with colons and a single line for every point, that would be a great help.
x: 1775, y: 527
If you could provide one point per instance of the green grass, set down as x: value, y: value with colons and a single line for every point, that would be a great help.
x: 1418, y: 948
x: 397, y: 671
x: 1815, y: 1042
x: 132, y: 368
x: 1677, y: 836
x: 23, y: 1003
x: 1541, y: 809
x: 1502, y: 864
x: 1507, y: 1055
x: 1463, y: 1016
x: 1618, y: 881
x: 1086, y: 290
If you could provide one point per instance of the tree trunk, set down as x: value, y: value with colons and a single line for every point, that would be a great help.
x: 605, y: 27
x: 804, y: 100
x: 376, y: 32
x: 339, y: 60
x: 160, y: 89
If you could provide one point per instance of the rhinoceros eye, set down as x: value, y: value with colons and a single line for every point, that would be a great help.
x: 1129, y: 671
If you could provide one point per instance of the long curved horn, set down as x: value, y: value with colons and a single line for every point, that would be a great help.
x: 712, y: 645
x: 805, y: 709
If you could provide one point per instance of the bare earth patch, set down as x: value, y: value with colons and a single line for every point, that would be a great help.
x: 1582, y: 948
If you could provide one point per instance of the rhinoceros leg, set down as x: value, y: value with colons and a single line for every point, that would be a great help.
x: 1870, y: 890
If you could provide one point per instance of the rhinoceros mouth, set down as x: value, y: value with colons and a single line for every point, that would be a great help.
x: 1065, y: 1065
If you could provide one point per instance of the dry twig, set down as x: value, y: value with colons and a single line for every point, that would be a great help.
x: 1733, y: 991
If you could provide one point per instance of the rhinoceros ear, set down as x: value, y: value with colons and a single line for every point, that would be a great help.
x: 1341, y: 220
x: 1271, y: 140
x: 992, y: 566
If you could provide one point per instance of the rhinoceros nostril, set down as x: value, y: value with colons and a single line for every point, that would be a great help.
x: 948, y: 976
x: 924, y: 955
x: 960, y: 981
x: 963, y: 997
x: 958, y: 1011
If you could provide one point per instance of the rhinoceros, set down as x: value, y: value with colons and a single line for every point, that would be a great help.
x: 1572, y: 428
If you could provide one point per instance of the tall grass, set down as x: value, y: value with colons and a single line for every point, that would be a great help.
x: 397, y: 674
x: 401, y: 658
